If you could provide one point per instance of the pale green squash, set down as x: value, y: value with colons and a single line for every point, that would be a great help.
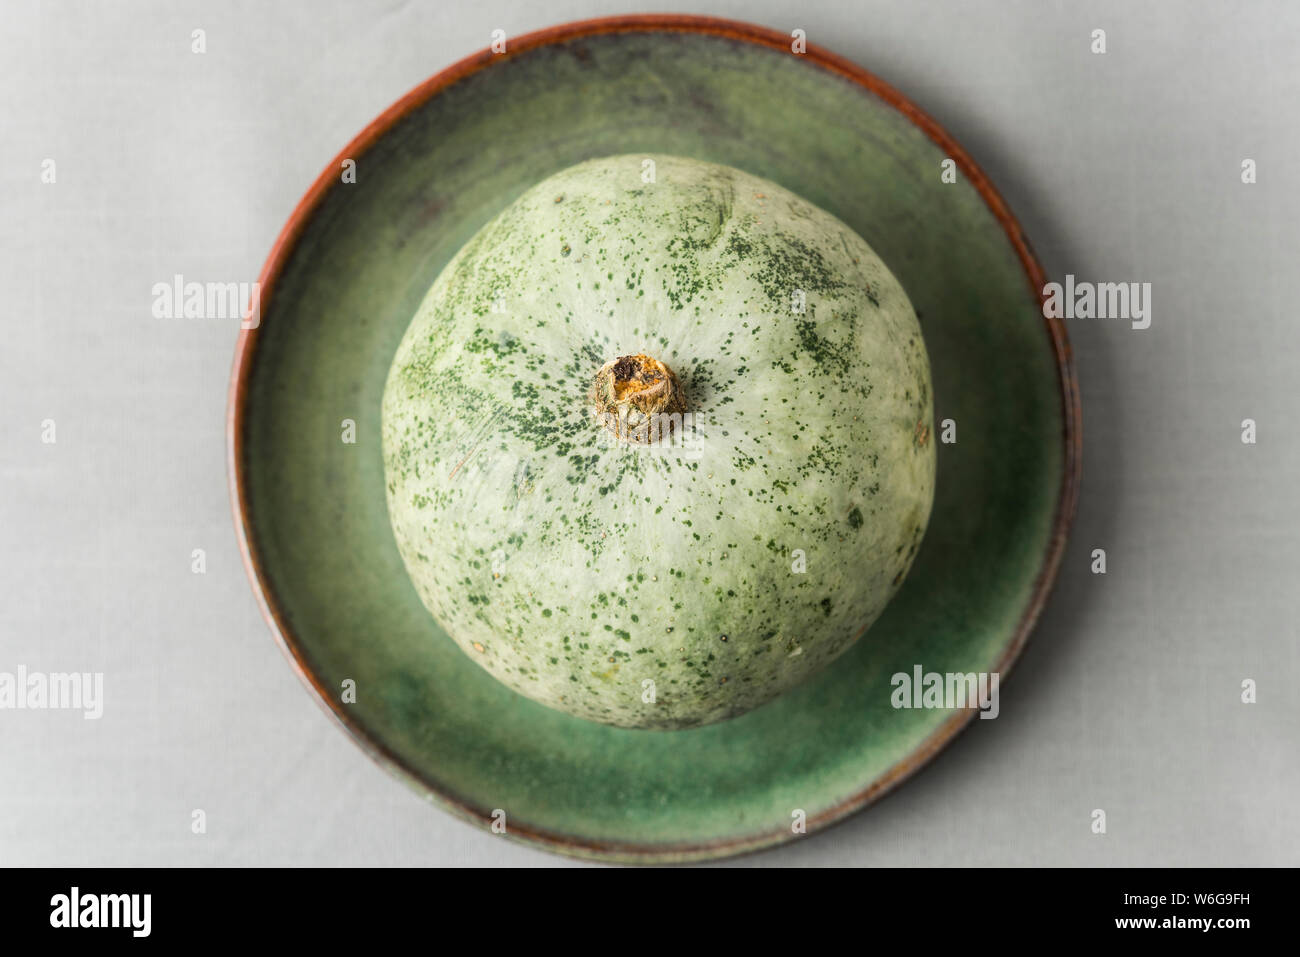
x: 670, y: 583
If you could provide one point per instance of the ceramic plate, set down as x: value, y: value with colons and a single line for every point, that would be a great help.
x: 343, y: 281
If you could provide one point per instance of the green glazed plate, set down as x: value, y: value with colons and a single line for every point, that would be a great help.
x: 342, y: 283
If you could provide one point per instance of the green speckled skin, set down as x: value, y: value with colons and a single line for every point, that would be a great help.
x: 723, y: 570
x: 318, y: 508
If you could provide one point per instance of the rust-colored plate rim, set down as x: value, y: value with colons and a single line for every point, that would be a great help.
x: 238, y: 411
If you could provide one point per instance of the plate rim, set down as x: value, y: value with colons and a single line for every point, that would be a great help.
x: 237, y: 413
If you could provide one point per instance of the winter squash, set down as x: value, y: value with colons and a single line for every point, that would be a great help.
x: 658, y: 442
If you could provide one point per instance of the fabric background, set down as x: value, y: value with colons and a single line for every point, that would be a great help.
x: 1122, y: 167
